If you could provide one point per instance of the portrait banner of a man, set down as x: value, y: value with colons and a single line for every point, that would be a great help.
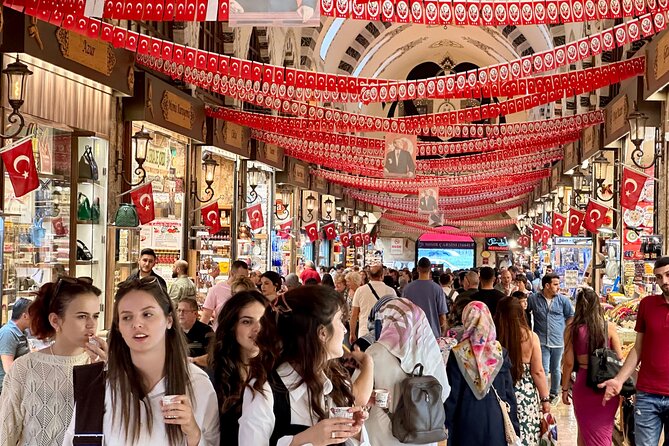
x: 400, y: 158
x: 428, y: 200
x: 288, y: 13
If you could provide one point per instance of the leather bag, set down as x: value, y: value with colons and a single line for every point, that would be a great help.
x: 509, y: 431
x: 88, y: 155
x: 126, y: 215
x: 603, y: 364
x: 83, y: 209
x: 85, y: 170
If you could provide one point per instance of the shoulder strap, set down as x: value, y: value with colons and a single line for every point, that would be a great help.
x: 89, y: 396
x: 606, y: 334
x: 282, y: 410
x: 373, y: 291
x: 450, y: 295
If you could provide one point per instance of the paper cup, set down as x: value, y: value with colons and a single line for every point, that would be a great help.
x: 341, y: 412
x: 170, y: 399
x: 381, y: 397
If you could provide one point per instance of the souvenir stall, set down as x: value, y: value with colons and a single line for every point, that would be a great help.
x: 253, y: 240
x: 53, y: 220
x: 213, y: 232
x: 172, y: 122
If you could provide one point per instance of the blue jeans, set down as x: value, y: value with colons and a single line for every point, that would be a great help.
x: 551, y: 358
x: 650, y: 416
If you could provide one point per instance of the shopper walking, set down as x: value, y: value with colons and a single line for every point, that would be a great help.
x: 364, y: 299
x: 506, y: 284
x: 406, y: 339
x: 148, y: 361
x: 145, y: 264
x: 488, y: 294
x: 552, y: 312
x: 652, y: 351
x: 221, y: 292
x: 310, y: 272
x: 13, y: 341
x: 37, y: 398
x: 183, y: 286
x: 586, y: 333
x: 429, y: 296
x: 446, y: 282
x: 230, y: 359
x: 299, y: 341
x: 477, y: 365
x: 270, y: 285
x: 527, y: 371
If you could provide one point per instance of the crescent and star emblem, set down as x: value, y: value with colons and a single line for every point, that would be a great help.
x: 211, y: 218
x: 629, y: 192
x: 592, y: 215
x: 148, y: 201
x: 17, y: 161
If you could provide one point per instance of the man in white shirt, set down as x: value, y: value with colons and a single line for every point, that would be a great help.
x: 364, y: 300
x: 221, y: 292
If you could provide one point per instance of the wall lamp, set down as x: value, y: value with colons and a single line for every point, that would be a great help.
x: 17, y: 74
x: 141, y: 140
x: 637, y: 121
x: 600, y: 167
x: 310, y: 207
x: 209, y: 165
x: 255, y: 177
x: 328, y: 206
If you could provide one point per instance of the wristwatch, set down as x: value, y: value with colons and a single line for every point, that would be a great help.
x: 546, y: 399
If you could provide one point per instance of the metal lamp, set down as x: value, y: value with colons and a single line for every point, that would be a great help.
x: 17, y: 74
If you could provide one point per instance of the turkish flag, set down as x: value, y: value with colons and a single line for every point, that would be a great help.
x: 357, y: 240
x: 285, y: 229
x: 330, y: 232
x: 366, y: 239
x: 524, y: 241
x: 575, y: 220
x: 312, y: 231
x: 546, y: 232
x: 559, y: 222
x: 142, y: 198
x: 595, y: 214
x: 255, y: 216
x: 633, y: 183
x: 345, y: 239
x: 211, y: 217
x: 536, y: 233
x: 20, y: 166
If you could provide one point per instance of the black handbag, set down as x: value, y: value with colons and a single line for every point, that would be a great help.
x: 88, y: 154
x: 85, y: 170
x: 89, y: 396
x: 83, y: 252
x: 603, y: 364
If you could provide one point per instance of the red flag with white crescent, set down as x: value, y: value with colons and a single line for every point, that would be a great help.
x: 357, y: 240
x: 285, y: 229
x: 546, y: 232
x: 595, y: 213
x: 524, y: 241
x: 366, y: 239
x: 575, y: 220
x: 559, y: 222
x: 632, y: 185
x: 330, y: 231
x: 345, y: 239
x: 254, y: 214
x: 211, y: 217
x: 142, y: 198
x: 536, y: 233
x: 312, y: 231
x: 20, y: 166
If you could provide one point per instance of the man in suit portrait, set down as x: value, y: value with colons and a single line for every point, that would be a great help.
x: 432, y: 204
x: 422, y: 202
x: 399, y: 160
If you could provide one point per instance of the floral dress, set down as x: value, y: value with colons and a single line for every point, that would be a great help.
x: 529, y: 411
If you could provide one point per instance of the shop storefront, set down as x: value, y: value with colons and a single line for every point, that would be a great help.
x: 254, y: 237
x: 211, y: 254
x: 70, y: 108
x: 175, y: 122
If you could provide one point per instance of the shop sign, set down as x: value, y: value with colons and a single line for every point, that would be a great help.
x: 295, y: 174
x: 177, y: 110
x: 662, y: 57
x: 228, y: 136
x: 349, y: 202
x: 336, y: 189
x: 91, y: 53
x: 616, y: 118
x: 572, y: 241
x: 545, y: 186
x: 319, y: 184
x: 571, y: 156
x: 658, y: 55
x: 396, y: 246
x: 496, y: 244
x: 269, y: 154
x: 556, y: 173
x: 590, y: 139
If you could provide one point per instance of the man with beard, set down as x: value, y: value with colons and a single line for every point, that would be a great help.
x: 651, y: 349
x: 182, y: 287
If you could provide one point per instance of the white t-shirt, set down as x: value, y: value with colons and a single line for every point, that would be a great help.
x: 365, y: 300
x: 205, y: 409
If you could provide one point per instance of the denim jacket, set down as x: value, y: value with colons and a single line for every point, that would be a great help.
x: 549, y: 325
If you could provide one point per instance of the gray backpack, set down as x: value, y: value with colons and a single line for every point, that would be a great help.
x: 419, y: 416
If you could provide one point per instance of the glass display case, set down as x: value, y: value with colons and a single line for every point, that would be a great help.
x: 122, y: 258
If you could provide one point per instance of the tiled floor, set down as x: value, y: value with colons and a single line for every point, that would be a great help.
x: 567, y: 428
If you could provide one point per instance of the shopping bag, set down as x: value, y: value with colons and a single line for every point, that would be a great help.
x: 548, y: 432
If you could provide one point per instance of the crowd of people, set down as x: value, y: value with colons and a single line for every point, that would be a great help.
x: 323, y: 358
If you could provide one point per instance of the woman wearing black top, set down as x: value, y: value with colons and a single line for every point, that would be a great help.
x: 232, y: 351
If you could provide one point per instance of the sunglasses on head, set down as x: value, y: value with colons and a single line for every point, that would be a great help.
x: 69, y: 281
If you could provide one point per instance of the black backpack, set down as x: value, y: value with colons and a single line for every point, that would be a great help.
x: 419, y: 416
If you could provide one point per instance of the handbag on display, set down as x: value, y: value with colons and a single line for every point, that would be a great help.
x: 603, y: 364
x: 85, y: 169
x: 83, y: 209
x: 83, y: 252
x: 95, y: 211
x: 88, y: 155
x: 509, y: 431
x: 126, y: 215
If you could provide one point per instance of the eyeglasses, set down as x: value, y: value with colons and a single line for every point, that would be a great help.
x: 181, y: 310
x: 82, y: 281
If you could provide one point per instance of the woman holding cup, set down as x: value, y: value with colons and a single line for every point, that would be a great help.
x: 301, y: 394
x: 153, y: 395
x: 406, y: 340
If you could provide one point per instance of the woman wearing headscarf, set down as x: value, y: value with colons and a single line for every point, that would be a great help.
x: 477, y: 367
x: 406, y: 340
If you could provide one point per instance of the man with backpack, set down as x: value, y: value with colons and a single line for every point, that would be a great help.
x: 429, y: 296
x: 363, y: 301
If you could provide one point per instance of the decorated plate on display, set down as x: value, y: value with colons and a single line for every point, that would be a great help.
x: 648, y: 216
x: 632, y: 236
x: 647, y: 192
x: 634, y: 217
x: 257, y: 250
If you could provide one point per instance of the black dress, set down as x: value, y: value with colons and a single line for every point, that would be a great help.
x: 472, y: 422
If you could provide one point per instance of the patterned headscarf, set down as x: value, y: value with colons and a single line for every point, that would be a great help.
x: 407, y: 335
x: 478, y: 354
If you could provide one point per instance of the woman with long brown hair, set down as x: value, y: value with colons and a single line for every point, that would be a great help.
x: 298, y: 378
x: 235, y: 345
x: 148, y: 361
x: 586, y: 333
x: 527, y: 372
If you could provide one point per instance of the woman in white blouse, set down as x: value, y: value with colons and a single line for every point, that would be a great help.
x: 147, y: 361
x: 290, y: 405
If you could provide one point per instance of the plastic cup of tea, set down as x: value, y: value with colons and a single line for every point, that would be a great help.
x: 341, y: 412
x: 170, y: 399
x: 381, y: 397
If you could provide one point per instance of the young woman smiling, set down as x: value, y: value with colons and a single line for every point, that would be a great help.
x: 297, y: 381
x: 37, y: 398
x: 147, y: 361
x: 270, y: 285
x: 233, y: 349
